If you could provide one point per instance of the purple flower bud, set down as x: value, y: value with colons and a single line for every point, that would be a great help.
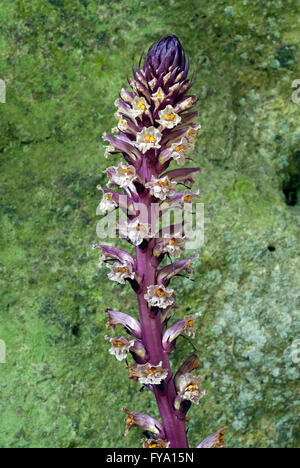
x: 167, y: 273
x: 144, y: 422
x: 119, y: 318
x: 191, y: 363
x: 110, y: 252
x: 166, y: 55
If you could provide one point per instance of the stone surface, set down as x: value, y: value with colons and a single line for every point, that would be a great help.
x: 64, y: 63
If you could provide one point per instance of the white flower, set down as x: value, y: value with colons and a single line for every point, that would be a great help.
x: 175, y: 246
x: 158, y: 296
x: 155, y: 443
x: 186, y: 198
x: 179, y: 150
x: 158, y: 97
x: 148, y: 374
x: 161, y: 188
x: 148, y: 138
x: 168, y: 117
x: 139, y: 106
x: 107, y: 203
x: 119, y: 346
x: 120, y: 271
x: 123, y: 175
x: 135, y: 231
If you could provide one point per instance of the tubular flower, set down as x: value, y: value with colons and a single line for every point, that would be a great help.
x: 188, y: 388
x: 173, y: 245
x: 120, y: 272
x: 214, y: 440
x: 119, y: 346
x: 148, y: 138
x: 107, y: 203
x: 161, y: 188
x: 122, y: 125
x: 183, y: 326
x: 109, y: 150
x: 121, y: 176
x: 158, y: 97
x: 154, y: 443
x: 109, y: 252
x: 113, y: 200
x: 165, y: 275
x: 185, y: 199
x: 135, y: 231
x: 158, y: 296
x: 148, y: 374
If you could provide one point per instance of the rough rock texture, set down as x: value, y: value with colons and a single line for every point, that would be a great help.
x: 64, y: 63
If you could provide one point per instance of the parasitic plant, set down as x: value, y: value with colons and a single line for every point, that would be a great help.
x: 154, y: 130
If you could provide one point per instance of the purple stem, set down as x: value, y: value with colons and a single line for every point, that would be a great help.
x: 152, y: 330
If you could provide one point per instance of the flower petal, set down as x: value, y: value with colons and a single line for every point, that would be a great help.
x: 214, y: 440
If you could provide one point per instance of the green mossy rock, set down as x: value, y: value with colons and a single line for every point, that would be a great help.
x: 64, y: 62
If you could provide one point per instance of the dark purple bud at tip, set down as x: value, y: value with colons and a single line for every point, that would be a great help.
x: 166, y: 53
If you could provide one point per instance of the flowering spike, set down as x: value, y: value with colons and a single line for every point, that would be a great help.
x: 155, y: 128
